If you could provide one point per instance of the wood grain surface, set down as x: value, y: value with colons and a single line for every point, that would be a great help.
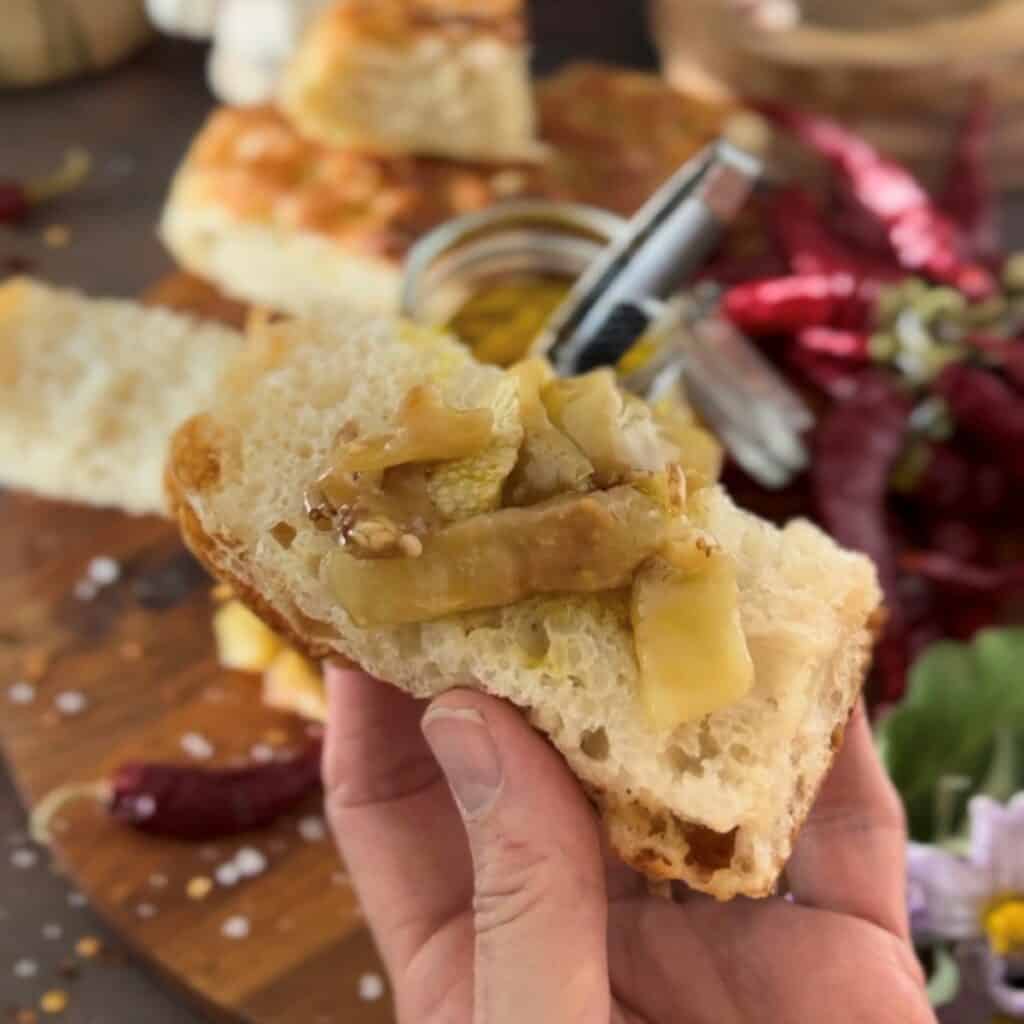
x: 141, y: 654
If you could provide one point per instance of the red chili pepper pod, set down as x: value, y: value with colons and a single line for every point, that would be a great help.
x: 856, y: 445
x: 185, y: 802
x: 1006, y: 353
x: 849, y: 346
x: 969, y: 196
x: 833, y: 377
x: 962, y: 577
x: 14, y: 203
x: 945, y: 480
x: 957, y: 538
x: 922, y: 237
x: 988, y: 409
x: 783, y: 305
x: 812, y: 249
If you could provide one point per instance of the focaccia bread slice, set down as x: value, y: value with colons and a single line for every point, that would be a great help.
x: 444, y: 78
x: 91, y: 390
x: 762, y: 676
x: 274, y: 218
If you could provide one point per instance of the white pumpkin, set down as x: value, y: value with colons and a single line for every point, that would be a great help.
x: 252, y: 42
x: 47, y: 40
x: 190, y: 18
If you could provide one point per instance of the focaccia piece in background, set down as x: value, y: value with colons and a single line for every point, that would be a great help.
x: 273, y: 218
x: 444, y: 78
x: 92, y: 389
x: 715, y: 802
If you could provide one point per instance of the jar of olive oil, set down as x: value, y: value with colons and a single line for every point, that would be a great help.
x: 494, y: 278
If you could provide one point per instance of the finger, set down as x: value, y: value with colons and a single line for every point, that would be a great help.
x: 393, y: 817
x: 540, y: 906
x: 850, y: 856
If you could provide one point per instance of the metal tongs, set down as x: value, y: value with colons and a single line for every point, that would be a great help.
x: 624, y: 299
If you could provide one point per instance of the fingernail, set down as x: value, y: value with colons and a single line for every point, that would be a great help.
x: 468, y: 756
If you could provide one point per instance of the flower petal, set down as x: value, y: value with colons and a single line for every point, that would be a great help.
x: 947, y: 894
x: 997, y: 842
x: 1007, y: 997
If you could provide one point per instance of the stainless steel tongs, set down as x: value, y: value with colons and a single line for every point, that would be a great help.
x: 625, y: 298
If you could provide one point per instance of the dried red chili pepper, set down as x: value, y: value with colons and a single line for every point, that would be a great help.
x: 812, y: 249
x: 856, y: 445
x: 837, y: 379
x: 988, y: 409
x: 782, y: 305
x: 956, y: 574
x: 185, y: 802
x: 944, y: 479
x: 18, y: 198
x: 848, y: 346
x: 969, y: 196
x: 14, y: 203
x: 923, y: 239
x: 957, y: 538
x: 1006, y: 353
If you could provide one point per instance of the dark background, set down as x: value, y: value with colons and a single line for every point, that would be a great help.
x: 136, y: 121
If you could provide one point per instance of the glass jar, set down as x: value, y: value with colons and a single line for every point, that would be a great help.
x: 495, y: 277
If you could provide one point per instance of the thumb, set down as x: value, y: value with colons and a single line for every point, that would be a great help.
x: 539, y: 904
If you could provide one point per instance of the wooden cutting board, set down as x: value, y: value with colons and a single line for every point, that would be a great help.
x: 141, y: 655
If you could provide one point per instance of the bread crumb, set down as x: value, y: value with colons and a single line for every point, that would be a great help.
x: 54, y: 1001
x: 57, y: 236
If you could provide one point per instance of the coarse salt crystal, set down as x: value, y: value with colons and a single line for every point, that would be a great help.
x: 250, y: 862
x: 85, y: 590
x: 196, y: 745
x: 158, y: 881
x: 26, y: 969
x: 312, y: 828
x: 261, y: 753
x: 70, y: 702
x: 24, y: 858
x: 21, y: 692
x: 52, y: 932
x: 103, y: 571
x: 236, y: 927
x: 371, y: 987
x: 145, y: 911
x: 227, y: 874
x: 76, y: 900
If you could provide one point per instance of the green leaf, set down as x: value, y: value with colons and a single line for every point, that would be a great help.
x: 944, y: 981
x: 963, y: 715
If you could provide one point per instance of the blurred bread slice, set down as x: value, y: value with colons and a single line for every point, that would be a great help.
x: 444, y: 78
x: 91, y: 390
x: 277, y: 219
x: 715, y: 802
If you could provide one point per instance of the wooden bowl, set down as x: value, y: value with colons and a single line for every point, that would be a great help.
x: 904, y: 87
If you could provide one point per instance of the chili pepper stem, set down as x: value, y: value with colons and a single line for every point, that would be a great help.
x: 69, y: 175
x: 56, y: 800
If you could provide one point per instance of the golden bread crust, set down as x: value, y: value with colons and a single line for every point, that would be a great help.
x: 400, y: 20
x: 614, y: 137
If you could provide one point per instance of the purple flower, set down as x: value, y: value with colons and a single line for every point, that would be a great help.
x: 979, y: 893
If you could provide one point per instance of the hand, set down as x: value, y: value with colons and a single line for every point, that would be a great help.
x: 491, y: 900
